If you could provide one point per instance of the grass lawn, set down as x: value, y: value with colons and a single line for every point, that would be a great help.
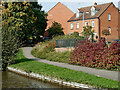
x: 61, y: 73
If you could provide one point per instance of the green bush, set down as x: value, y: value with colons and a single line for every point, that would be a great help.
x: 55, y: 29
x: 75, y: 34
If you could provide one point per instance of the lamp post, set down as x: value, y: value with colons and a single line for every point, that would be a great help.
x: 83, y: 19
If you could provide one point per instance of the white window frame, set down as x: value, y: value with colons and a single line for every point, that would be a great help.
x: 86, y: 23
x: 109, y: 28
x: 93, y: 23
x: 109, y: 17
x: 95, y: 34
x: 93, y: 11
x: 71, y: 26
x: 77, y: 25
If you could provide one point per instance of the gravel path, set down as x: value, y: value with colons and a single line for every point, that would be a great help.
x: 98, y: 72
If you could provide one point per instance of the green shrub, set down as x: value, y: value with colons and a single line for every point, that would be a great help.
x: 55, y: 29
x: 75, y: 34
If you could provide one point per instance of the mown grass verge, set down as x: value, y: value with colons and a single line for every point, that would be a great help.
x: 61, y: 73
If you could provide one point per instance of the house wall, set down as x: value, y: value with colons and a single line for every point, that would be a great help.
x: 95, y: 28
x: 104, y: 23
x: 61, y: 14
x: 119, y: 25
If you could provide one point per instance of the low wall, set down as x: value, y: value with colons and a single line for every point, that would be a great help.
x: 50, y: 79
x: 64, y: 49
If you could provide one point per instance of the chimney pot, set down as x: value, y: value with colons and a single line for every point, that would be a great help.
x: 95, y: 3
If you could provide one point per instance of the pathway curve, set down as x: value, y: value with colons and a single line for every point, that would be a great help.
x: 98, y: 72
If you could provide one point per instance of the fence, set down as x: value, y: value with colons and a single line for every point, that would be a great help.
x: 66, y: 42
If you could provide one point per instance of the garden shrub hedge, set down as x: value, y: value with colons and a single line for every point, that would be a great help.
x: 96, y: 55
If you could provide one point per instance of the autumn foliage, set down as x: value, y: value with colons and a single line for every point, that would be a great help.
x: 50, y: 47
x: 96, y: 55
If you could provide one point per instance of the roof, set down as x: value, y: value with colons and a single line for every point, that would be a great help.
x: 101, y: 8
x: 60, y: 4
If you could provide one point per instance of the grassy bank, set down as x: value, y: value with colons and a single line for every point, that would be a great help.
x: 61, y: 73
x: 52, y: 56
x: 64, y: 57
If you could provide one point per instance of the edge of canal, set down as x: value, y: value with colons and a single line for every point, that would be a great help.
x: 51, y: 79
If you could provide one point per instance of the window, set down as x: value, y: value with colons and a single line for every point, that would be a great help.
x: 71, y: 25
x: 109, y: 28
x: 96, y: 10
x: 86, y: 23
x: 78, y: 14
x: 93, y: 23
x: 95, y: 35
x: 109, y: 17
x: 92, y: 11
x: 77, y: 25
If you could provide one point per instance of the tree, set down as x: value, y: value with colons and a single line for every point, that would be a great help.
x: 87, y: 31
x: 29, y: 17
x: 55, y: 29
x: 10, y: 39
x: 22, y: 16
x: 40, y: 24
x: 106, y: 32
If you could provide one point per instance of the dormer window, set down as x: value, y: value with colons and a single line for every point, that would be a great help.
x: 96, y: 10
x: 80, y: 13
x: 77, y: 13
x: 92, y: 11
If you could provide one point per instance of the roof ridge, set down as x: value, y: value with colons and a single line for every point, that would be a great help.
x: 61, y: 4
x: 96, y: 5
x: 55, y: 6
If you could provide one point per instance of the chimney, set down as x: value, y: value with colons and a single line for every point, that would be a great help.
x: 95, y: 3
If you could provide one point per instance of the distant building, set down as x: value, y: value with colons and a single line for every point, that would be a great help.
x: 100, y: 17
x: 61, y: 14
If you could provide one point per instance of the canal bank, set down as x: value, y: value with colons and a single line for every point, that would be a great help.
x: 16, y: 81
x: 50, y: 79
x: 64, y: 74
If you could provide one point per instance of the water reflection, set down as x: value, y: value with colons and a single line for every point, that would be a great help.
x: 13, y: 80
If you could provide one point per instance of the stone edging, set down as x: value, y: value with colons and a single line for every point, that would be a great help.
x: 50, y: 79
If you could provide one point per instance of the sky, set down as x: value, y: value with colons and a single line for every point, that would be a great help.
x: 73, y: 4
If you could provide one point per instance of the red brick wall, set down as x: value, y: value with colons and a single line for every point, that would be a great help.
x: 95, y: 28
x: 104, y: 23
x: 59, y: 13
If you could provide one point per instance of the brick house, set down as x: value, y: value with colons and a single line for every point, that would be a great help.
x: 61, y: 14
x: 100, y: 17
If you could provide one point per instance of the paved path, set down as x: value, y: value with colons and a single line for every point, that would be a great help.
x: 101, y: 73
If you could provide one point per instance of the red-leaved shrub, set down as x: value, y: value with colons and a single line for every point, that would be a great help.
x: 96, y: 55
x: 49, y: 47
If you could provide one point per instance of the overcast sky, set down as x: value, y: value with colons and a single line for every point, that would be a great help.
x: 73, y: 4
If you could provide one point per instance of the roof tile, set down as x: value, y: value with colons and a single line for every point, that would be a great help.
x: 101, y: 8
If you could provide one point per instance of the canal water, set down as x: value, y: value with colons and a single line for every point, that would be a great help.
x: 13, y: 80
